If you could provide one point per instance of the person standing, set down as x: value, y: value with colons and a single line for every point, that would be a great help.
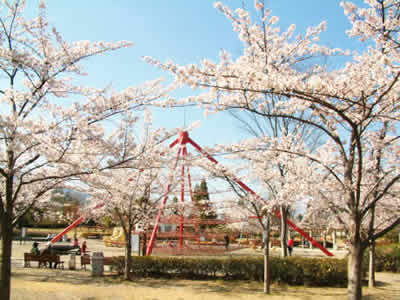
x: 83, y: 248
x: 290, y: 246
x: 226, y: 238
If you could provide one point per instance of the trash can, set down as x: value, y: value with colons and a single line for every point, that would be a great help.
x: 72, y: 262
x: 97, y: 264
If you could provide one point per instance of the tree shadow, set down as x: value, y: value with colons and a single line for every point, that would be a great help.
x: 56, y: 276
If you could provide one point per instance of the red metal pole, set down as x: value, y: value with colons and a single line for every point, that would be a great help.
x: 154, y: 233
x: 190, y: 185
x: 73, y: 225
x: 70, y: 227
x: 246, y: 188
x: 182, y: 197
x: 196, y: 226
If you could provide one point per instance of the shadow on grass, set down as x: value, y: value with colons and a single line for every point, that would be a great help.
x: 57, y: 276
x: 226, y: 288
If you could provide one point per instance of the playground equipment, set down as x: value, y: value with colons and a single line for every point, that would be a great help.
x: 74, y: 224
x: 117, y: 239
x: 182, y: 140
x: 196, y: 241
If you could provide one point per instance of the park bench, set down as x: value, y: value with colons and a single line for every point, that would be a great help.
x: 43, y: 259
x: 86, y: 260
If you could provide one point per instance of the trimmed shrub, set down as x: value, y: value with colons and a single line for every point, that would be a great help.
x: 293, y: 271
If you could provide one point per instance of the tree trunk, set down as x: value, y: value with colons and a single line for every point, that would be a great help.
x: 128, y: 256
x: 334, y: 246
x: 144, y: 248
x: 283, y: 211
x: 371, y: 269
x: 354, y: 269
x: 267, y: 267
x: 5, y: 282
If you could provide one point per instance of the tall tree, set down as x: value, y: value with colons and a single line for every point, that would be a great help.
x: 350, y: 105
x: 202, y: 202
x: 42, y: 134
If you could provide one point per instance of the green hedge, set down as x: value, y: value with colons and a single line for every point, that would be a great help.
x: 387, y: 258
x: 293, y: 271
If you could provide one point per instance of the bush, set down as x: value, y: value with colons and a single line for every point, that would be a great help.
x: 387, y: 258
x: 293, y: 271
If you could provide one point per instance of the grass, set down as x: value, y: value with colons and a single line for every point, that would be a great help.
x: 45, y: 284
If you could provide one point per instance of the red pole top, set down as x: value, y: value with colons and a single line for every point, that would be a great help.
x: 183, y: 137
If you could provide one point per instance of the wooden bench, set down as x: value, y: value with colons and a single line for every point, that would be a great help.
x: 108, y: 261
x: 86, y: 260
x: 43, y: 259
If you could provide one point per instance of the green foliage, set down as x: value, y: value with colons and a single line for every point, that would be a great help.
x: 393, y: 235
x: 293, y: 271
x: 387, y: 258
x: 201, y: 199
x: 107, y: 222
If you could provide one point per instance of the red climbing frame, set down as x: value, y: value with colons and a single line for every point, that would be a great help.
x: 73, y: 224
x: 182, y: 140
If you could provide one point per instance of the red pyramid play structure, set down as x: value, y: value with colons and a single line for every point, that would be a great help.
x: 182, y: 140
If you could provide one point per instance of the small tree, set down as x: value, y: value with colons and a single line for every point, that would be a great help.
x: 131, y: 190
x: 202, y: 202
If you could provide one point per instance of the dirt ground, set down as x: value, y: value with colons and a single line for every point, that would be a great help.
x: 49, y: 284
x: 98, y: 246
x: 46, y: 284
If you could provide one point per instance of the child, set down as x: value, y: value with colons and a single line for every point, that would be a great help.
x: 83, y: 248
x: 290, y: 246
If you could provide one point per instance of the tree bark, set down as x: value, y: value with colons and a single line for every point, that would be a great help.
x: 267, y: 267
x: 144, y: 248
x: 5, y: 282
x: 354, y: 270
x: 371, y: 269
x: 283, y: 211
x: 128, y: 256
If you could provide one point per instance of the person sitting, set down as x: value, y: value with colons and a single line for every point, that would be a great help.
x: 48, y: 251
x: 35, y: 249
x: 76, y: 242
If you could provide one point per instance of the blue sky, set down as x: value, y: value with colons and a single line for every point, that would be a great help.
x: 182, y: 30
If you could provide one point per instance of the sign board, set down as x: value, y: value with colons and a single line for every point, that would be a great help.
x: 135, y: 242
x: 23, y: 232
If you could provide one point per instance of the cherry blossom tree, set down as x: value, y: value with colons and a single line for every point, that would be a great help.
x: 350, y: 105
x: 258, y: 125
x: 130, y: 190
x: 47, y: 121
